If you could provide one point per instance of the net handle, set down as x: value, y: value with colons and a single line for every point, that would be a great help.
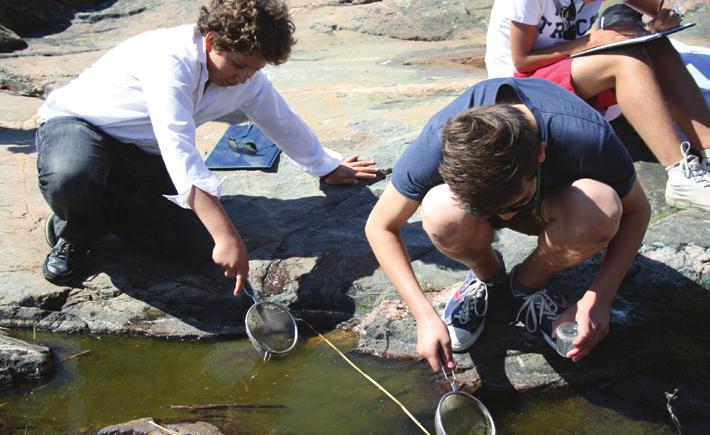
x: 249, y: 291
x: 452, y: 380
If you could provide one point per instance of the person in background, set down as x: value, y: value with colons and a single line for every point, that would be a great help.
x: 535, y: 38
x: 116, y: 146
x: 527, y: 155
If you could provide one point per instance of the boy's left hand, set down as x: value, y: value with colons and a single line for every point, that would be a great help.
x: 351, y: 171
x: 592, y: 317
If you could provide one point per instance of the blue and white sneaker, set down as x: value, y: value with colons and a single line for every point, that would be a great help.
x: 538, y: 310
x: 465, y: 314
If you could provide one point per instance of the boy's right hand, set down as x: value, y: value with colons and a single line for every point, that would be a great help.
x: 231, y: 255
x: 434, y: 343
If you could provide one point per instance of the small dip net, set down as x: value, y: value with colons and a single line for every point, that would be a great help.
x: 271, y: 328
x: 460, y: 413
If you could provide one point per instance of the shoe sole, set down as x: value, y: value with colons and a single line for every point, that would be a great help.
x: 468, y: 343
x: 60, y: 281
x: 682, y: 203
x: 49, y: 234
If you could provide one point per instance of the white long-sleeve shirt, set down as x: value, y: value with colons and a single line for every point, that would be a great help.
x: 150, y: 91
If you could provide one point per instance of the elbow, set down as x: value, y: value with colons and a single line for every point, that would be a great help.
x: 523, y: 65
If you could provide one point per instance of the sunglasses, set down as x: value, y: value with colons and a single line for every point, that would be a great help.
x: 569, y: 14
x: 242, y: 148
x: 530, y: 204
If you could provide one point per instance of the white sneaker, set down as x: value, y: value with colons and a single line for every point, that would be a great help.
x: 688, y: 182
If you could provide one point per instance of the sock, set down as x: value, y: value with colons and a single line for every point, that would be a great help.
x: 519, y: 288
x: 498, y: 278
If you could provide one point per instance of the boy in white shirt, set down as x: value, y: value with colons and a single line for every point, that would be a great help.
x: 116, y: 146
x: 534, y: 38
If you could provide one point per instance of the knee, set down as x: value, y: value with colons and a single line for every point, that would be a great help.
x: 596, y: 210
x: 441, y: 217
x: 69, y: 182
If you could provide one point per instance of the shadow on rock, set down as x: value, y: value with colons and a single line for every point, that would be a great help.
x: 307, y: 253
x: 37, y: 18
x: 18, y: 141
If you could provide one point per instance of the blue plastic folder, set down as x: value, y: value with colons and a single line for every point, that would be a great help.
x: 243, y: 146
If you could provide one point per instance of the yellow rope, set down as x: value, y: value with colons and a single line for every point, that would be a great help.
x: 374, y: 382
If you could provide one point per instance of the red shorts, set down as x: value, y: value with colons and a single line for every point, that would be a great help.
x: 561, y: 73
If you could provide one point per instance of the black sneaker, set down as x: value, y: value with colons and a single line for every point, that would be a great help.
x: 539, y: 309
x: 465, y: 313
x: 63, y: 262
x: 49, y: 234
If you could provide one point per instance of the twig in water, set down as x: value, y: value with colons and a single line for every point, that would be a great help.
x: 669, y: 407
x: 38, y: 388
x: 163, y: 428
x: 75, y: 356
x: 227, y: 405
x: 3, y: 404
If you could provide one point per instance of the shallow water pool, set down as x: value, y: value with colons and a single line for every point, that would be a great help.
x: 122, y: 379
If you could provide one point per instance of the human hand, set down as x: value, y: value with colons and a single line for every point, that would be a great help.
x: 433, y: 343
x: 351, y: 171
x: 230, y: 254
x: 614, y: 33
x: 592, y: 317
x: 665, y: 19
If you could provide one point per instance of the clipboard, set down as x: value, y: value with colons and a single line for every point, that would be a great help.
x: 634, y: 41
x: 243, y: 146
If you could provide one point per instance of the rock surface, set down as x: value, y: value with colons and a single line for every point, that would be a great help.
x: 147, y: 426
x: 306, y: 243
x: 22, y: 362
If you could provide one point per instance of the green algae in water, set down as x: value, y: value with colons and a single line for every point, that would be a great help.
x: 123, y: 379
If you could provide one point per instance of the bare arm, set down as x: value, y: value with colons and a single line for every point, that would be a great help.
x: 383, y: 232
x: 229, y: 252
x: 592, y: 311
x: 526, y: 58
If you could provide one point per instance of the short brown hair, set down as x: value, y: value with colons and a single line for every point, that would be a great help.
x: 488, y: 152
x: 261, y: 27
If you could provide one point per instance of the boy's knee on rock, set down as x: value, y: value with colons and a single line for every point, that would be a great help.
x: 70, y: 185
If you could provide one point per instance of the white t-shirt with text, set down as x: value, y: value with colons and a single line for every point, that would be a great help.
x: 541, y: 13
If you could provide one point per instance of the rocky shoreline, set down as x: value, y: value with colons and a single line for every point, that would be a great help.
x: 306, y: 242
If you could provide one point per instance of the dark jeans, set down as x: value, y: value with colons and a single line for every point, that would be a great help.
x: 95, y: 183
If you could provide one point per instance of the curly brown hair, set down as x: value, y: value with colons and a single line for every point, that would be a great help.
x: 488, y: 152
x: 261, y: 27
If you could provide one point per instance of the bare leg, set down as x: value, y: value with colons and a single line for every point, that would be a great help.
x: 685, y: 101
x: 463, y: 237
x: 630, y: 73
x: 582, y: 219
